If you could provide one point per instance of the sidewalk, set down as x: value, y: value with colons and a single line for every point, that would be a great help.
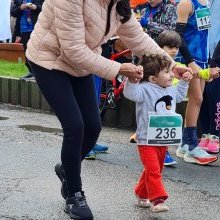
x: 29, y: 189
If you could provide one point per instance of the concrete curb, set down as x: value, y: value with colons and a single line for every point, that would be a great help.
x: 27, y: 94
x: 23, y: 93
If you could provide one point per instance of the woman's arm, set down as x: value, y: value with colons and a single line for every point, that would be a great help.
x: 140, y: 43
x: 134, y: 38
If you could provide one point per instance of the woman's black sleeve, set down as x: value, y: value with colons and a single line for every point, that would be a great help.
x: 180, y: 29
x: 215, y: 61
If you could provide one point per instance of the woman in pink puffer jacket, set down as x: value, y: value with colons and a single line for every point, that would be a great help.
x: 63, y: 50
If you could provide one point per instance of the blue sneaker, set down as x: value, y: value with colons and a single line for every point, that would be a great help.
x: 98, y: 148
x: 91, y: 155
x: 169, y: 161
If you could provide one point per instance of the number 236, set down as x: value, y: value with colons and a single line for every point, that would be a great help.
x: 166, y: 133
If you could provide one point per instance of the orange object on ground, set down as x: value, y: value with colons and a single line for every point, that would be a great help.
x: 134, y: 3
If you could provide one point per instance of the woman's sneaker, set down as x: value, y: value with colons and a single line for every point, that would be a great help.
x: 213, y: 144
x: 77, y: 207
x: 61, y: 174
x: 199, y: 156
x: 169, y: 161
x: 204, y: 141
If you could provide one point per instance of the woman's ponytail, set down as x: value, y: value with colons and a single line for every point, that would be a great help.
x: 124, y: 10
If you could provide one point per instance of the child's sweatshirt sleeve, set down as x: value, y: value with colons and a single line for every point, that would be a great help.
x: 133, y: 91
x: 181, y: 91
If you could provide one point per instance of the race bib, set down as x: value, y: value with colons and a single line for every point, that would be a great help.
x: 203, y: 19
x: 164, y: 130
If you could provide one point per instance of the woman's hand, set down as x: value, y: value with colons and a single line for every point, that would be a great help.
x: 180, y: 70
x: 214, y: 73
x: 133, y: 72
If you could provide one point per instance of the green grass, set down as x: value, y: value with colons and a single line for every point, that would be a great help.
x: 12, y: 69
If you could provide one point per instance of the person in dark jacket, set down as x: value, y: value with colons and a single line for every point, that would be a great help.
x: 26, y: 12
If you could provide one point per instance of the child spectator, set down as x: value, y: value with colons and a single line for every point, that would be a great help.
x: 170, y: 41
x: 155, y: 85
x: 157, y: 16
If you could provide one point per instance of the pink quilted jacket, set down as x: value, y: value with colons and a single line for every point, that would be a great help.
x: 69, y: 33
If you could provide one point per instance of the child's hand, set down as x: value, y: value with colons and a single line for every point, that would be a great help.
x: 187, y: 76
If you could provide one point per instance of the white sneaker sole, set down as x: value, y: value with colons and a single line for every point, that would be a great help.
x: 170, y: 164
x: 159, y: 208
x: 194, y: 160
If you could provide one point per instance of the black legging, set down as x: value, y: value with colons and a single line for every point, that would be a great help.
x: 24, y: 39
x: 74, y: 102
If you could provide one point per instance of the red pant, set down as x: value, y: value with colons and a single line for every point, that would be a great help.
x: 150, y: 185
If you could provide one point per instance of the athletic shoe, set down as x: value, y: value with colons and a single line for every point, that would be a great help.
x: 98, y: 148
x: 77, y: 207
x: 143, y: 203
x: 161, y: 207
x: 199, y: 156
x: 61, y: 174
x: 204, y: 141
x: 213, y: 144
x: 181, y: 150
x: 91, y: 155
x: 133, y: 139
x: 169, y: 161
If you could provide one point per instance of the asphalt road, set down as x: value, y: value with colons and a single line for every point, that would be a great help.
x: 30, y: 144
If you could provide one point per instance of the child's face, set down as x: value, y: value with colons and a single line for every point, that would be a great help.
x: 164, y: 78
x: 172, y: 51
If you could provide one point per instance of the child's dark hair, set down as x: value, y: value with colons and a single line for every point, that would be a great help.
x: 169, y: 39
x: 153, y: 64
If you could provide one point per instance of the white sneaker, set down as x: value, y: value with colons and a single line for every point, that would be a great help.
x: 143, y: 203
x: 161, y: 207
x: 181, y: 150
x: 199, y: 156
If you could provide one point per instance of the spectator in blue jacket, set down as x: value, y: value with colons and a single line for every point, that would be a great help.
x: 26, y: 12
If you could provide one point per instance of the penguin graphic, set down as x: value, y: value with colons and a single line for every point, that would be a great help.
x: 164, y: 104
